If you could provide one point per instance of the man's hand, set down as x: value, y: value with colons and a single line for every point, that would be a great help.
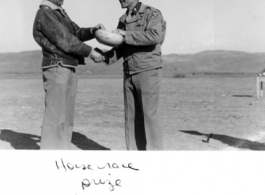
x: 96, y: 56
x: 97, y: 27
x: 120, y: 32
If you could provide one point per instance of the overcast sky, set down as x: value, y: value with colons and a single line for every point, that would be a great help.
x: 192, y: 25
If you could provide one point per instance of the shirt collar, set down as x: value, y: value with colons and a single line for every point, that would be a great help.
x: 139, y: 8
x: 50, y: 4
x: 136, y: 8
x: 53, y: 6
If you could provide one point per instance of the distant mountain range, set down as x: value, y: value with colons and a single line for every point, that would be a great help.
x: 206, y: 62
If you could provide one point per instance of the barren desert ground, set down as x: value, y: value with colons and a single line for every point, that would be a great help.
x: 223, y: 109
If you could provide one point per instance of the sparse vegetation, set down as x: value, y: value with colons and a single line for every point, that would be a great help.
x: 179, y: 76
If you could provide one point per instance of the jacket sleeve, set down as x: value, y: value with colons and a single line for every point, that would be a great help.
x: 153, y: 33
x: 60, y: 36
x: 113, y: 55
x: 83, y: 34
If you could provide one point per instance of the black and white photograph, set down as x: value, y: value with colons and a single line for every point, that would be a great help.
x: 132, y: 96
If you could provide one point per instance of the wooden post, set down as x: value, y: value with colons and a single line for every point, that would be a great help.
x: 260, y: 84
x: 261, y: 88
x: 258, y: 87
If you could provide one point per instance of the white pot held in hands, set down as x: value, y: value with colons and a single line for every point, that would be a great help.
x: 108, y: 38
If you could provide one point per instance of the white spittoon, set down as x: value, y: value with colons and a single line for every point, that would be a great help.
x: 108, y: 38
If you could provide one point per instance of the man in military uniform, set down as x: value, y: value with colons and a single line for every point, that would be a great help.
x: 143, y: 29
x: 63, y: 49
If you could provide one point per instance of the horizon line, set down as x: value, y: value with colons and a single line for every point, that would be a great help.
x: 192, y: 53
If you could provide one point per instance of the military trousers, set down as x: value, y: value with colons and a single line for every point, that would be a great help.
x: 142, y: 113
x: 60, y: 85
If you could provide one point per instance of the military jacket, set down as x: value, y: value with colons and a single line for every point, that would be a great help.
x: 145, y: 33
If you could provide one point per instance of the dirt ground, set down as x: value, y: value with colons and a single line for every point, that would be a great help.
x: 224, y: 108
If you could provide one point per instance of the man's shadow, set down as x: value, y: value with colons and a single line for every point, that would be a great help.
x: 82, y: 142
x: 231, y: 141
x: 21, y: 141
x: 24, y: 141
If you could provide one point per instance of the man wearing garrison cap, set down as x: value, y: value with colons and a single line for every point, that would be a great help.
x: 63, y: 48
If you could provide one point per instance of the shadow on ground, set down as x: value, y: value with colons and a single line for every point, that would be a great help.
x: 231, y: 141
x: 20, y: 140
x: 24, y: 141
x: 244, y: 96
x: 82, y: 142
